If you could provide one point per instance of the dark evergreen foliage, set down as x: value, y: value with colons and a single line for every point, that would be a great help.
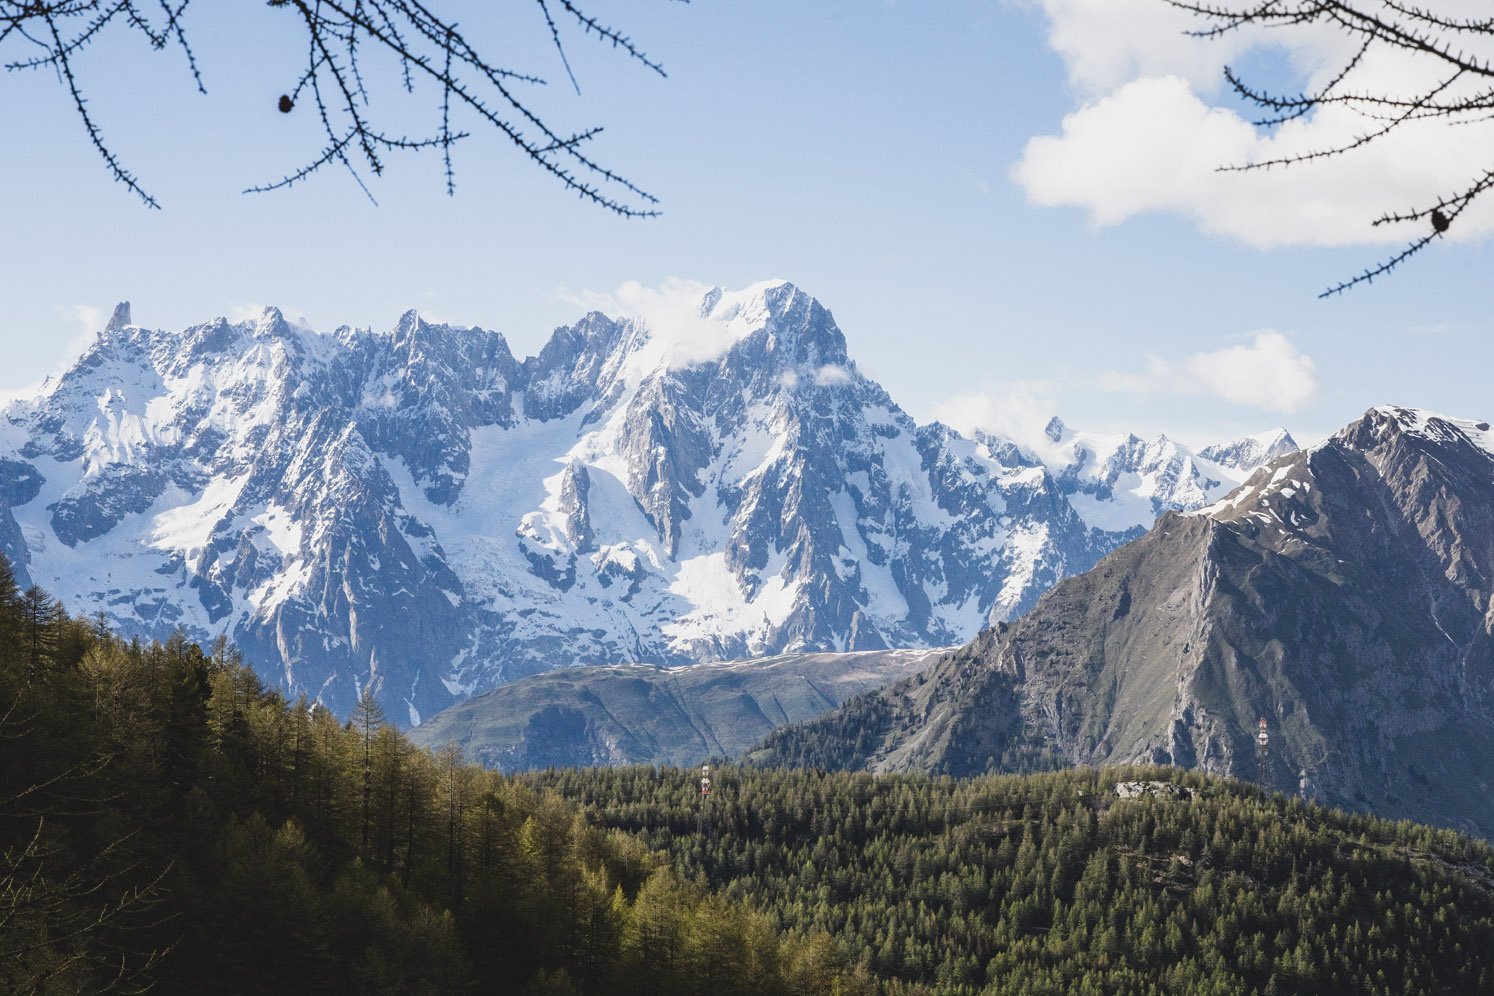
x: 1051, y: 883
x: 169, y: 824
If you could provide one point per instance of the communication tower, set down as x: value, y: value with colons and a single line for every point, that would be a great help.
x: 703, y: 824
x: 1263, y: 756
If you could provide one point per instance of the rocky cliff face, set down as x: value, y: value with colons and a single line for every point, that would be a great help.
x: 419, y: 510
x: 1343, y: 594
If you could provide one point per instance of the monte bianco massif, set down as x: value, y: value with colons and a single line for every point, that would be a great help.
x: 419, y: 511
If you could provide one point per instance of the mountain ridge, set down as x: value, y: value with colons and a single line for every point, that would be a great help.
x: 419, y: 510
x: 1343, y: 592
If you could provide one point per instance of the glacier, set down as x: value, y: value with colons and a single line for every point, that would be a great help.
x: 419, y: 511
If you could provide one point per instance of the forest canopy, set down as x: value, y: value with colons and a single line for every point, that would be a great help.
x: 169, y: 823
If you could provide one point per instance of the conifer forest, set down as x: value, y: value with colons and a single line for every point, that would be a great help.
x: 168, y: 819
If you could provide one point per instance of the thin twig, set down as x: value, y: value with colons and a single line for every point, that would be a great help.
x: 339, y: 37
x: 1433, y: 39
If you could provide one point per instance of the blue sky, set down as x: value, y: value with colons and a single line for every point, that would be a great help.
x: 878, y: 154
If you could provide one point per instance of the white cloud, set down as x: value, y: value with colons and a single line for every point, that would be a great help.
x: 831, y: 374
x: 670, y: 313
x: 1150, y: 145
x: 1147, y: 136
x: 1018, y: 411
x: 1270, y: 373
x: 1106, y: 43
x: 91, y: 318
x: 244, y: 312
x: 91, y: 321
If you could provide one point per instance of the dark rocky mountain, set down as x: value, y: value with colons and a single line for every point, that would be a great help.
x: 1343, y: 593
x: 649, y: 714
x: 419, y: 511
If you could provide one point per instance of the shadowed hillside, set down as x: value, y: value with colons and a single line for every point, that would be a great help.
x: 646, y: 714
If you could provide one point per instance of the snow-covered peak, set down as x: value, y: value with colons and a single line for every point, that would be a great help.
x: 414, y: 338
x: 409, y: 324
x: 752, y: 306
x: 273, y: 324
x: 1386, y: 428
x: 1120, y: 481
x: 771, y: 322
x: 1434, y: 426
x: 416, y: 510
x: 270, y: 320
x: 1096, y: 457
x: 778, y: 329
x: 1249, y: 452
x: 703, y: 474
x: 759, y: 340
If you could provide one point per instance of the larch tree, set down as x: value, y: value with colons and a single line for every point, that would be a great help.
x: 1455, y: 56
x: 368, y: 719
x: 347, y: 43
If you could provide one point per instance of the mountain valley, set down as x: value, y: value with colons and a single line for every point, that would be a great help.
x: 650, y: 714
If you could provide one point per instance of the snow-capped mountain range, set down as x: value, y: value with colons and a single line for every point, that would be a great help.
x: 418, y: 509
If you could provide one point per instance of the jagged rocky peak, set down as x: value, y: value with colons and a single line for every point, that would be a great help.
x: 576, y: 364
x: 1004, y: 451
x: 708, y: 480
x: 1343, y: 593
x: 417, y: 363
x: 1119, y: 481
x: 1251, y: 451
x: 789, y: 315
x: 120, y: 318
x: 413, y: 339
x: 272, y: 327
x: 574, y: 504
x: 756, y: 304
x: 409, y: 335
